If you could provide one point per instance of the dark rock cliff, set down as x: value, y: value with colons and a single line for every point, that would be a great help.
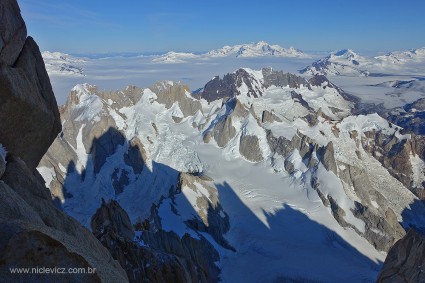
x: 405, y: 261
x: 33, y: 232
x: 157, y: 256
x: 27, y: 101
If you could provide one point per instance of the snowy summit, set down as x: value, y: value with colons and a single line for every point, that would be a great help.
x: 258, y: 49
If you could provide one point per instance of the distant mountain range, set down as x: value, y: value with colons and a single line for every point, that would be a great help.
x: 259, y: 49
x: 348, y: 63
x: 400, y: 57
x: 344, y: 62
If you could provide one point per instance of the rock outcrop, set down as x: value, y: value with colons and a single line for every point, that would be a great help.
x: 250, y: 148
x: 278, y: 78
x: 397, y: 153
x: 405, y: 261
x: 212, y: 218
x: 229, y: 86
x: 13, y: 32
x: 33, y: 232
x: 222, y: 132
x: 155, y: 255
x: 381, y: 225
x: 169, y: 93
x: 26, y: 93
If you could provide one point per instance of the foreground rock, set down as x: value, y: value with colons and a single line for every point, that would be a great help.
x: 26, y: 93
x: 405, y: 261
x: 162, y: 256
x: 33, y: 232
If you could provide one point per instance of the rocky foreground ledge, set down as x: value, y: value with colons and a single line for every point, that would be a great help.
x: 33, y: 232
x: 405, y: 261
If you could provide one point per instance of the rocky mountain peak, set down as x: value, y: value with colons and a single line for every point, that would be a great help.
x: 249, y: 82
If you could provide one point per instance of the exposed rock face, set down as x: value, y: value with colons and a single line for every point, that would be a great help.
x: 212, y: 218
x: 395, y: 153
x: 113, y: 220
x: 375, y: 223
x: 196, y: 257
x: 229, y: 85
x: 411, y: 116
x: 163, y: 257
x: 34, y: 232
x: 43, y: 234
x: 34, y: 248
x: 280, y: 79
x: 405, y: 260
x: 223, y: 88
x: 26, y: 96
x: 13, y: 32
x: 381, y: 225
x: 250, y: 149
x: 269, y: 117
x: 326, y: 156
x: 170, y: 93
x: 222, y: 132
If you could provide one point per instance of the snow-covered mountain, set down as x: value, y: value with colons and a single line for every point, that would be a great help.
x: 344, y: 62
x: 174, y: 57
x: 401, y: 57
x: 417, y: 85
x: 61, y: 64
x: 258, y: 49
x: 412, y: 115
x: 251, y: 50
x: 348, y: 63
x: 263, y: 167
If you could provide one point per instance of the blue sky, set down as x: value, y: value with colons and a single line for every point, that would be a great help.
x: 99, y: 26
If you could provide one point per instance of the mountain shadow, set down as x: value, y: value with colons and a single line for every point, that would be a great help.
x: 116, y: 171
x: 413, y: 216
x: 285, y: 246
